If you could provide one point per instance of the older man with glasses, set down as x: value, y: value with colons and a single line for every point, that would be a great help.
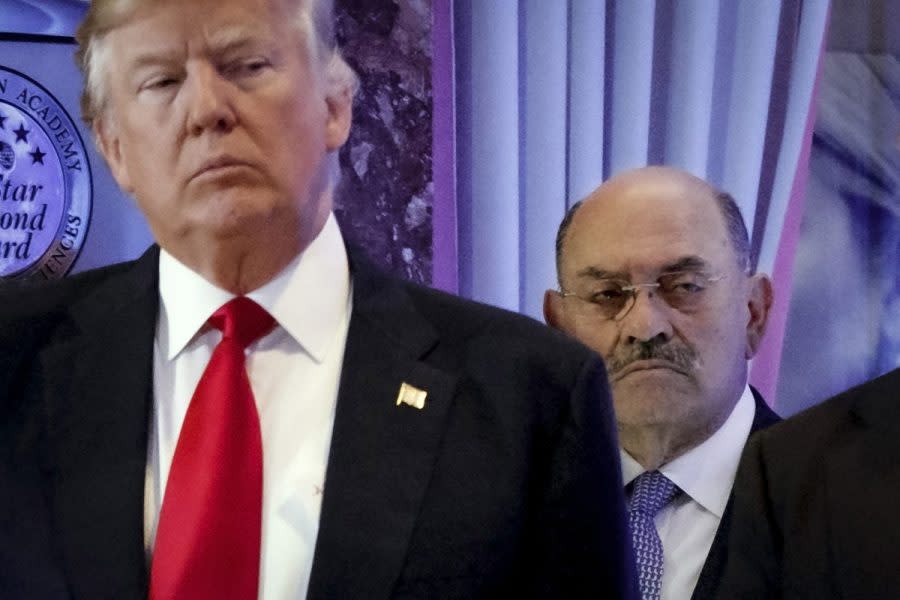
x: 654, y: 274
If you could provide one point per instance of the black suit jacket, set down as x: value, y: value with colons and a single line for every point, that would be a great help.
x: 714, y: 567
x: 816, y: 503
x: 507, y: 483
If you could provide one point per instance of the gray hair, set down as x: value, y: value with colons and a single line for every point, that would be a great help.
x: 731, y: 213
x: 313, y: 17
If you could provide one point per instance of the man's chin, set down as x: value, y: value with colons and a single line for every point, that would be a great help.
x: 651, y: 390
x: 236, y: 213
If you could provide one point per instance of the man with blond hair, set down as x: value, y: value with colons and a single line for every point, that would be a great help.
x: 250, y: 410
x: 654, y: 274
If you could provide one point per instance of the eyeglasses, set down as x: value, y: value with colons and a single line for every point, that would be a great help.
x: 611, y: 299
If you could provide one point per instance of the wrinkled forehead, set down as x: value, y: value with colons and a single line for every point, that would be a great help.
x: 645, y: 230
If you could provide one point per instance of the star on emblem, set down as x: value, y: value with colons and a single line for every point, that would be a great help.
x: 37, y: 156
x: 22, y: 133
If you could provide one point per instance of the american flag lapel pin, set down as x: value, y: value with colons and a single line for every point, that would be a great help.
x: 411, y: 395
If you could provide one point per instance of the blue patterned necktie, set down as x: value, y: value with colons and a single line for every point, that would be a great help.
x: 652, y: 491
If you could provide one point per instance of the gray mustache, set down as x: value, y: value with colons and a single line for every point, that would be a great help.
x: 681, y: 357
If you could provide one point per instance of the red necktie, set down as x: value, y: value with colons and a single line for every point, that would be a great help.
x: 208, y: 538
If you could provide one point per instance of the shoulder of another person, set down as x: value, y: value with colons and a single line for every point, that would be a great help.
x: 801, y: 441
x: 30, y: 313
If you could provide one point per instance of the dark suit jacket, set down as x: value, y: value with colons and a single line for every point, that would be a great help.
x: 714, y: 567
x: 506, y: 484
x: 816, y: 503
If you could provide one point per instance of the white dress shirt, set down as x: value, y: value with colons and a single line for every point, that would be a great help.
x: 705, y: 475
x: 294, y: 372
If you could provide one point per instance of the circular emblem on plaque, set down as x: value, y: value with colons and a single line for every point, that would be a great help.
x: 45, y: 182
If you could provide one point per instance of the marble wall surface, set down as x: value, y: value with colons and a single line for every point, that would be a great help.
x: 384, y: 198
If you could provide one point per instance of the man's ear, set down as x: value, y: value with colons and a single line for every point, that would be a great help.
x: 554, y: 311
x: 759, y: 303
x: 339, y: 103
x: 106, y: 134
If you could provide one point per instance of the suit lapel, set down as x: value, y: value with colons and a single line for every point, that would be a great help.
x: 382, y: 454
x: 714, y: 567
x: 763, y: 416
x: 97, y: 397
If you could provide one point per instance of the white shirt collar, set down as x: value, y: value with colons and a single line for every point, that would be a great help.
x: 706, y: 472
x: 308, y: 298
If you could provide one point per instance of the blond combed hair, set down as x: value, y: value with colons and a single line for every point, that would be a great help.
x: 313, y: 18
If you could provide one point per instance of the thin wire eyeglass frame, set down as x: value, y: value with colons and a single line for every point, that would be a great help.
x: 631, y: 291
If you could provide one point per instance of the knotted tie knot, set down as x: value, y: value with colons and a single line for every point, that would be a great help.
x: 242, y: 320
x: 652, y: 491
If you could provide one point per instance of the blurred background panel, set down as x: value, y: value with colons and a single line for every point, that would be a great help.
x: 844, y: 322
x: 41, y: 17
